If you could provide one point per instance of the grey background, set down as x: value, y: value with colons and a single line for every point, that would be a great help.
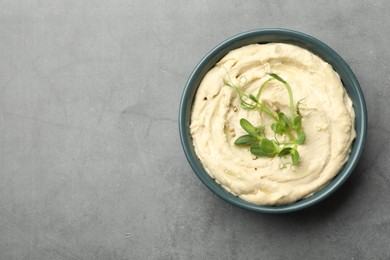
x: 91, y: 165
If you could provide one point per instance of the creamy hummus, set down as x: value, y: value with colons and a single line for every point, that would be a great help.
x: 328, y: 121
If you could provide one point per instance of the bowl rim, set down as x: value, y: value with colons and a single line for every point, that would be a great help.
x: 198, y: 168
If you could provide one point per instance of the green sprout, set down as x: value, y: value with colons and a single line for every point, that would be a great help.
x: 290, y: 126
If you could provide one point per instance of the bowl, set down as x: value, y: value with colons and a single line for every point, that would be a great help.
x: 305, y: 41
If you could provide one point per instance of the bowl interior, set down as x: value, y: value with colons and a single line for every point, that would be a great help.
x: 266, y: 36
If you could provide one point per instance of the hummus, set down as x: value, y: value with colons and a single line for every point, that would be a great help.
x: 327, y: 119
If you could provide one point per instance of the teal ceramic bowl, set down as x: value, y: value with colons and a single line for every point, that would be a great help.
x: 265, y: 36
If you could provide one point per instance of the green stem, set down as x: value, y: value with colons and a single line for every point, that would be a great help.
x: 290, y: 135
x: 262, y: 87
x: 290, y: 94
x: 267, y: 111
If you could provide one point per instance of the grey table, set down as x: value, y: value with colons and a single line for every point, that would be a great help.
x: 91, y: 165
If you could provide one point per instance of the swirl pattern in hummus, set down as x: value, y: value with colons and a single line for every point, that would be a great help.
x: 328, y: 120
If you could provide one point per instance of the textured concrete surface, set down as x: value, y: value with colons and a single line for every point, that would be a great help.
x: 91, y: 165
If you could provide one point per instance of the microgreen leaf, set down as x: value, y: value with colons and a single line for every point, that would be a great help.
x: 276, y: 76
x: 277, y: 128
x: 283, y: 120
x: 257, y: 150
x: 297, y: 122
x: 301, y: 138
x: 285, y: 151
x: 248, y: 127
x: 268, y: 146
x: 264, y: 148
x: 246, y: 139
x: 253, y: 98
x: 294, y: 156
